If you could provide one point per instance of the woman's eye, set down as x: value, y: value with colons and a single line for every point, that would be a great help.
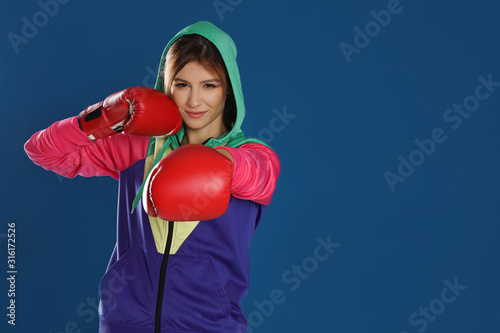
x: 181, y: 85
x: 209, y: 85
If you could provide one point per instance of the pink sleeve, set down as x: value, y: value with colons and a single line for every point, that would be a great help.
x: 256, y: 170
x: 66, y: 150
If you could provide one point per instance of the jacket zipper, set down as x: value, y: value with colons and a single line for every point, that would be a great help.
x: 163, y: 271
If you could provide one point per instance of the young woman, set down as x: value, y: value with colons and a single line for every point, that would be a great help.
x: 180, y: 263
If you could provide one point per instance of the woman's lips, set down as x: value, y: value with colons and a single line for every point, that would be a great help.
x: 196, y: 114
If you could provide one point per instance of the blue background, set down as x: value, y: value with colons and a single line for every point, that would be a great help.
x: 351, y: 122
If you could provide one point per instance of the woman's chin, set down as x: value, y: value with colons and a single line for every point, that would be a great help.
x: 193, y: 125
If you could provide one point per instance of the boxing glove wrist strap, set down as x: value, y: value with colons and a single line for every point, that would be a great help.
x: 94, y: 123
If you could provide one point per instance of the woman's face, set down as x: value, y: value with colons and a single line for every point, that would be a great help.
x: 200, y: 97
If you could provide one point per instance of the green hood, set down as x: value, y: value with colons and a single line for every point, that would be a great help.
x: 227, y: 49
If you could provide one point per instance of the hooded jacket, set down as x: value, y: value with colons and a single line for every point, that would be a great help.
x: 168, y: 276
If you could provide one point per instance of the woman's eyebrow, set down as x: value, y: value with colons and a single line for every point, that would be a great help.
x: 204, y: 81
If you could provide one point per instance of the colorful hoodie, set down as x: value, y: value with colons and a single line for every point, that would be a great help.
x: 167, y: 276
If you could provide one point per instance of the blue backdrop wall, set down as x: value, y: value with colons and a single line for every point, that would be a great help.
x: 385, y: 117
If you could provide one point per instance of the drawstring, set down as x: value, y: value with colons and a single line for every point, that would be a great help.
x: 157, y: 159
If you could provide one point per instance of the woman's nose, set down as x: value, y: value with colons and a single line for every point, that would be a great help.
x: 194, y: 99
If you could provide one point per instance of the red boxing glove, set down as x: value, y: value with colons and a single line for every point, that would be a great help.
x: 136, y: 110
x: 192, y: 183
